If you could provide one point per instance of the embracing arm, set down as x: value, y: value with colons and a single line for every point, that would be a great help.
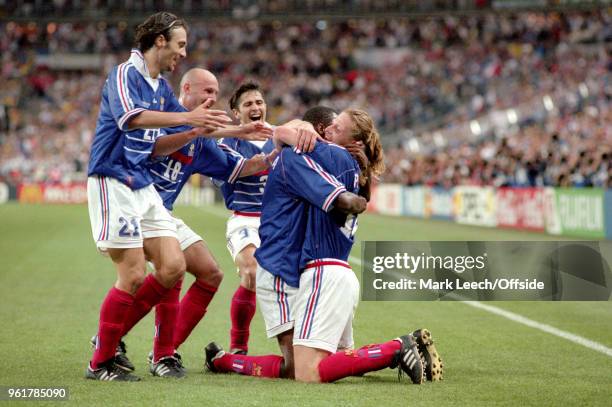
x: 348, y: 202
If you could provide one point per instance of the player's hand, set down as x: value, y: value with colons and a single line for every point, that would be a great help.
x: 256, y: 131
x: 206, y: 118
x: 306, y: 139
x: 271, y: 157
x: 361, y: 205
x: 357, y: 150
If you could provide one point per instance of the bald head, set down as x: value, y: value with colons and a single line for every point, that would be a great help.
x: 197, y: 85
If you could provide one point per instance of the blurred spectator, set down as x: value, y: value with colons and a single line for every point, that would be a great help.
x: 574, y: 150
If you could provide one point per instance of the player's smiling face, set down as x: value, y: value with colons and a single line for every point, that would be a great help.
x: 340, y: 130
x: 252, y: 108
x: 174, y: 50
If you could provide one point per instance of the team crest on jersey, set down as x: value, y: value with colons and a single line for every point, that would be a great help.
x: 191, y: 150
x: 161, y: 103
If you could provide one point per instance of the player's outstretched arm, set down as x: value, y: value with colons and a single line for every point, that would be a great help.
x: 250, y: 131
x: 258, y: 163
x: 298, y: 134
x: 170, y: 143
x: 201, y: 116
x: 348, y: 202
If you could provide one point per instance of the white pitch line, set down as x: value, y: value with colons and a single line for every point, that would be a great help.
x: 587, y: 343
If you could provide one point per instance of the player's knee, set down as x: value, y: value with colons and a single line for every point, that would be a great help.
x: 131, y: 281
x: 307, y: 373
x: 247, y: 280
x: 216, y: 276
x: 172, y: 269
x: 248, y: 264
x: 249, y: 269
x: 203, y: 267
x: 211, y: 275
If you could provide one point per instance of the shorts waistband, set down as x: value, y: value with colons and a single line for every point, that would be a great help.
x: 327, y: 262
x: 249, y: 214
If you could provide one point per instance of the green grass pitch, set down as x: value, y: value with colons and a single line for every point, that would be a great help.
x: 52, y: 282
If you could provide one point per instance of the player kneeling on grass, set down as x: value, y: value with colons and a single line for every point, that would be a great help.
x: 313, y: 308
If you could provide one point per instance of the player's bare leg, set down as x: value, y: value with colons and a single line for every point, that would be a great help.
x: 247, y: 267
x: 166, y: 255
x: 307, y: 362
x: 130, y: 266
x: 243, y: 304
x: 285, y: 343
x: 201, y: 263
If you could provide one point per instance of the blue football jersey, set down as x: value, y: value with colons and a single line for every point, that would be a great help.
x: 295, y: 183
x: 201, y: 156
x: 117, y: 152
x: 331, y: 235
x: 245, y: 195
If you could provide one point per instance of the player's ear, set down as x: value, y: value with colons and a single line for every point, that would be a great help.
x: 236, y: 113
x: 160, y: 41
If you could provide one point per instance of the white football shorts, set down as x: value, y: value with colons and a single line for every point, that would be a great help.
x: 242, y: 231
x: 122, y: 218
x: 186, y: 235
x: 276, y: 302
x: 325, y: 305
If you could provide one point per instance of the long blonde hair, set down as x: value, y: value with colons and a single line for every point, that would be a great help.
x: 365, y: 131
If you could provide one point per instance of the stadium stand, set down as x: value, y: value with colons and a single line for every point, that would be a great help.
x: 435, y: 86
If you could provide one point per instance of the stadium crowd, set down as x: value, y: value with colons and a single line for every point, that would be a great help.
x: 424, y: 74
x: 567, y: 151
x: 226, y: 8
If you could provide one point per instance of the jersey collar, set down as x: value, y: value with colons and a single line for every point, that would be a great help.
x: 137, y: 59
